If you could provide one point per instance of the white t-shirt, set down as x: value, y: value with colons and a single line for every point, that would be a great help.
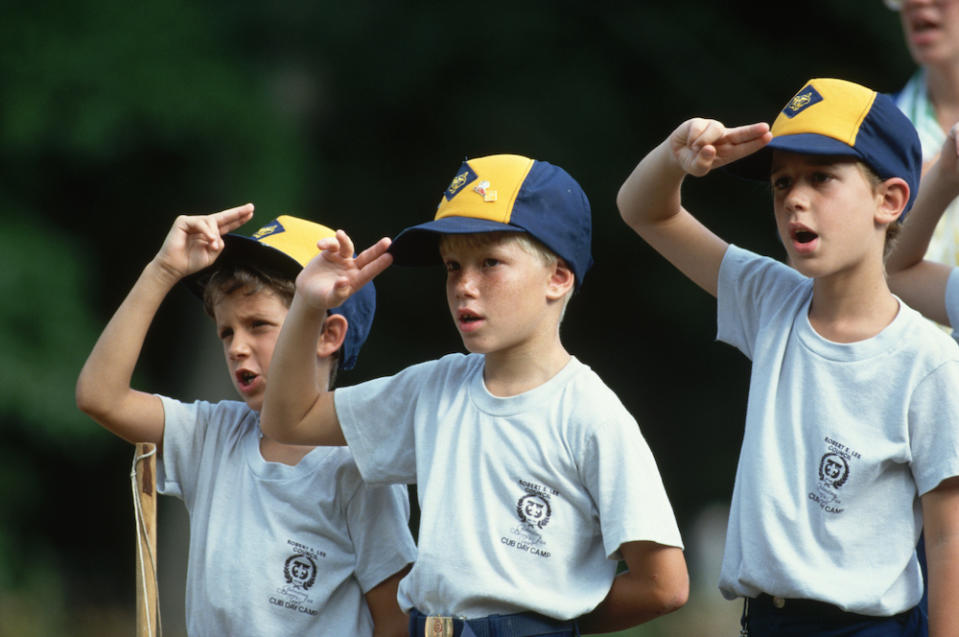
x: 276, y: 549
x: 524, y: 500
x: 841, y: 439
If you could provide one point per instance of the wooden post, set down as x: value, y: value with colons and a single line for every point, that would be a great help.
x: 144, y: 470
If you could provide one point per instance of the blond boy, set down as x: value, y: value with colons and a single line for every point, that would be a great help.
x: 533, y: 479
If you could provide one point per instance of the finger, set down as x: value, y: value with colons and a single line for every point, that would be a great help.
x: 232, y: 218
x: 346, y: 244
x: 710, y: 132
x: 749, y: 132
x: 372, y: 253
x: 372, y: 269
x: 200, y: 229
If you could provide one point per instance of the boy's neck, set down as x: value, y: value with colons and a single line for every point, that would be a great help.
x: 514, y: 372
x: 846, y: 309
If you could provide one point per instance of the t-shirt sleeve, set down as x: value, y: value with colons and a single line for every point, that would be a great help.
x: 377, y: 419
x: 750, y: 288
x: 934, y: 427
x: 620, y: 473
x: 952, y: 301
x: 378, y: 519
x: 184, y: 432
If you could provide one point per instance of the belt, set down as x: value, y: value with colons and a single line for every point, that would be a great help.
x: 516, y: 625
x: 805, y: 608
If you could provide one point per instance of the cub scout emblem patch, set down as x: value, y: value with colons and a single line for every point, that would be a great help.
x: 439, y: 627
x: 803, y: 100
x: 271, y: 228
x: 463, y: 178
x: 482, y: 188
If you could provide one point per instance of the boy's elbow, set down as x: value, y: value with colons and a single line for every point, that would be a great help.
x: 674, y: 597
x: 88, y: 399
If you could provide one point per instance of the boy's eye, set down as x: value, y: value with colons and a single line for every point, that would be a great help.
x: 820, y: 177
x: 780, y: 183
x: 451, y: 266
x: 490, y: 262
x: 226, y: 333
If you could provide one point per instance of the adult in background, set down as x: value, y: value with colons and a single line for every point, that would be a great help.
x: 930, y: 99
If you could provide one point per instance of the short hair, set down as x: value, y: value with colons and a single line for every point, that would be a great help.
x: 224, y: 281
x: 524, y: 240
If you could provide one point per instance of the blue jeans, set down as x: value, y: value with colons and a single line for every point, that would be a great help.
x: 518, y: 625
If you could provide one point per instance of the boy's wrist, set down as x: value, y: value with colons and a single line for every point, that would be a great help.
x: 161, y: 274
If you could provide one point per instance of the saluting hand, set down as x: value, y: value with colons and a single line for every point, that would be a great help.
x: 195, y: 241
x: 334, y: 274
x: 700, y: 145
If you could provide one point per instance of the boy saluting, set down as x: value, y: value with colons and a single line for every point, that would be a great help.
x: 283, y: 539
x: 549, y: 476
x: 851, y: 443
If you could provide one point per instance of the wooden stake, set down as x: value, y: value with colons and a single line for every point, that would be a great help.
x: 144, y: 474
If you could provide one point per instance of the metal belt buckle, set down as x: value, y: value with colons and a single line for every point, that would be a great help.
x: 439, y: 626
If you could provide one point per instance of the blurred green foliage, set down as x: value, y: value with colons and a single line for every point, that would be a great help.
x: 115, y: 117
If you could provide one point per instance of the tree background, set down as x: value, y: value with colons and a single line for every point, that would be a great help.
x: 115, y: 117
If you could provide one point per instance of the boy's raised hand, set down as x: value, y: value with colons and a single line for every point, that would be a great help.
x: 195, y: 241
x: 949, y: 155
x: 334, y: 274
x: 700, y: 145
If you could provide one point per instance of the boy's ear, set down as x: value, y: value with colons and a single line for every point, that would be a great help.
x: 895, y: 195
x: 332, y: 336
x: 561, y: 280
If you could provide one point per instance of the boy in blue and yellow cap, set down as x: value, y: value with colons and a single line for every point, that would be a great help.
x: 283, y: 539
x: 533, y: 479
x: 851, y: 443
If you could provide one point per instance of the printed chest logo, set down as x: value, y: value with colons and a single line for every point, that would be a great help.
x: 299, y: 574
x: 835, y: 467
x: 534, y: 510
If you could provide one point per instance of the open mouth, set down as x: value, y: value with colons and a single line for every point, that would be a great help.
x: 804, y: 236
x: 245, y: 377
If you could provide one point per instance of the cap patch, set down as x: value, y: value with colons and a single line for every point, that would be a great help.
x: 274, y: 227
x: 803, y: 100
x: 483, y: 189
x: 460, y: 181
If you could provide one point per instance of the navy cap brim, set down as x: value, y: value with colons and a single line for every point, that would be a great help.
x: 418, y: 245
x: 757, y: 166
x: 238, y: 248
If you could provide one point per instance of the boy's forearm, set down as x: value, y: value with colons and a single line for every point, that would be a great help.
x: 940, y: 515
x: 656, y: 583
x: 103, y: 387
x: 936, y: 192
x: 297, y: 409
x: 652, y: 193
x: 943, y: 583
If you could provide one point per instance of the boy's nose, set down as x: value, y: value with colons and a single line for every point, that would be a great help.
x: 238, y: 348
x: 796, y: 199
x: 465, y: 283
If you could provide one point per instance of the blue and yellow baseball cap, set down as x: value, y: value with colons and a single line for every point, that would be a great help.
x: 837, y: 117
x: 507, y: 193
x: 282, y: 247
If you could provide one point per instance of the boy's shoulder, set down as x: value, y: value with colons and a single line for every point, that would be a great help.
x: 930, y: 344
